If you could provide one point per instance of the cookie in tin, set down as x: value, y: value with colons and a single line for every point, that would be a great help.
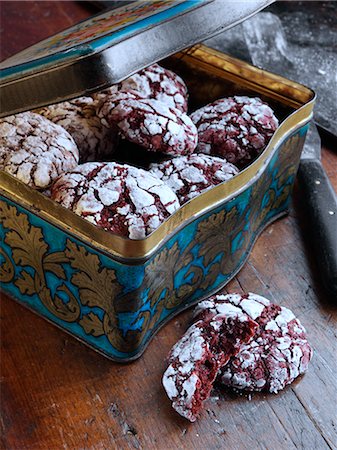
x: 95, y: 140
x: 236, y: 128
x: 35, y: 150
x: 189, y: 176
x: 152, y: 82
x: 154, y: 126
x: 119, y: 198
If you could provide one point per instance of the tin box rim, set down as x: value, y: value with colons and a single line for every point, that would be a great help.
x: 137, y: 250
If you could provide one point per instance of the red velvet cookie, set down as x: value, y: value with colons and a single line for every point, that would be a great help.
x: 196, y: 359
x: 95, y: 140
x: 119, y: 198
x: 154, y: 126
x: 235, y: 128
x: 278, y: 353
x: 159, y: 83
x: 190, y: 175
x: 152, y: 82
x: 35, y: 150
x: 108, y: 103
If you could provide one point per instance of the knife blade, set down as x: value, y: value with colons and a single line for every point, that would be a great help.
x: 321, y: 205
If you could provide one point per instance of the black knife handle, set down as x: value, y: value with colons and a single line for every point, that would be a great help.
x: 321, y: 201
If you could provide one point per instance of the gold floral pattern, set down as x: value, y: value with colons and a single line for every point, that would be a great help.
x: 7, y: 270
x: 92, y: 324
x: 30, y: 249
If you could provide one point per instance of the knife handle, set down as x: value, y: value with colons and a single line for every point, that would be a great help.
x: 321, y: 201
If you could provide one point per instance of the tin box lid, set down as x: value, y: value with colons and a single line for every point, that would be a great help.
x: 106, y: 48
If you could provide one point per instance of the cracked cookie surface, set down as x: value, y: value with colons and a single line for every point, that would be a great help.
x: 95, y: 140
x: 278, y: 353
x: 35, y: 150
x: 196, y: 358
x: 235, y: 128
x: 154, y: 126
x: 119, y: 198
x: 190, y: 175
x: 160, y: 84
x: 152, y: 82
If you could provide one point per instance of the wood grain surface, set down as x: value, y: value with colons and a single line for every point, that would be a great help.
x: 58, y: 394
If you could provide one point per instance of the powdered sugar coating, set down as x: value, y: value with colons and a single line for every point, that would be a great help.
x: 278, y: 353
x: 95, y: 140
x: 235, y: 128
x: 35, y: 150
x: 152, y: 82
x: 190, y: 175
x: 195, y: 359
x: 108, y: 100
x: 154, y: 126
x: 251, y: 304
x: 179, y: 380
x: 159, y: 83
x: 118, y: 198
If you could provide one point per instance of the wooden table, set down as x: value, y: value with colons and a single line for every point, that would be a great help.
x: 56, y: 393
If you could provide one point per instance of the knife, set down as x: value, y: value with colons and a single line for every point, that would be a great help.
x: 321, y: 203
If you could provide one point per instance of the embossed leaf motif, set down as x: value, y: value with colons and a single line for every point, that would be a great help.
x: 52, y: 263
x: 259, y: 190
x: 29, y: 249
x: 186, y: 289
x: 26, y: 283
x: 97, y: 286
x: 282, y: 198
x: 211, y: 276
x: 290, y: 150
x: 133, y: 338
x: 159, y: 274
x: 214, y: 234
x: 7, y: 270
x: 122, y: 343
x: 92, y: 324
x: 26, y: 241
x: 289, y: 155
x: 262, y: 197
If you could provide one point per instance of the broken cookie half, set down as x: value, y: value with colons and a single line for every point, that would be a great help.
x: 196, y: 359
x: 242, y: 341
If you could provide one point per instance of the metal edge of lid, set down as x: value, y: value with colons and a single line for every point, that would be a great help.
x: 98, y: 70
x: 94, y: 34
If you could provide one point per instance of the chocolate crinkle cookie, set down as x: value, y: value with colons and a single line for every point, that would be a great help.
x: 35, y: 150
x: 119, y: 198
x: 278, y: 353
x: 152, y: 82
x: 108, y: 103
x: 235, y: 128
x: 94, y: 139
x: 190, y: 175
x: 195, y: 360
x: 154, y: 126
x: 159, y: 83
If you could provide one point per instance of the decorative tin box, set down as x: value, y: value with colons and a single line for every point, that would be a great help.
x: 114, y: 293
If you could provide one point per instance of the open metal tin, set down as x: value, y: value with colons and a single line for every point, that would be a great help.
x: 114, y: 293
x: 109, y: 47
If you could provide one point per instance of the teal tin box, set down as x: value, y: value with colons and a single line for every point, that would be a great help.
x: 114, y: 293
